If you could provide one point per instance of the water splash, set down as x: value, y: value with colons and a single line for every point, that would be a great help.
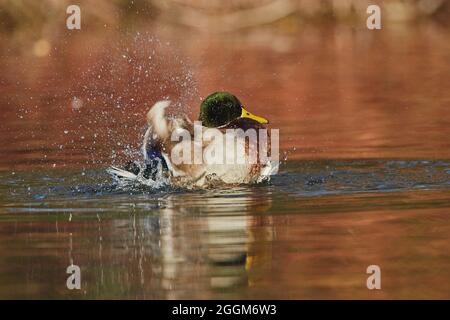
x: 116, y: 86
x: 127, y: 180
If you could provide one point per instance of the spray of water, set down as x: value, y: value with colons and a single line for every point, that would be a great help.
x: 117, y: 86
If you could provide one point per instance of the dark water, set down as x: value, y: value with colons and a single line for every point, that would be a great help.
x: 364, y: 125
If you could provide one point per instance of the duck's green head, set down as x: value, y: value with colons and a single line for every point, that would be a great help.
x: 220, y: 108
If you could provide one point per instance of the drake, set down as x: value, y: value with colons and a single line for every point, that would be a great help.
x: 219, y: 112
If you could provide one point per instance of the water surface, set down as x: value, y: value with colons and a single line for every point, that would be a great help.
x: 309, y: 233
x: 364, y: 126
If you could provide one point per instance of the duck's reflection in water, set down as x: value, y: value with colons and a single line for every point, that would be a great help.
x: 201, y: 245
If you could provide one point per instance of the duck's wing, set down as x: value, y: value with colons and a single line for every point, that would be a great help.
x: 161, y: 126
x: 157, y: 139
x: 157, y: 129
x: 156, y: 145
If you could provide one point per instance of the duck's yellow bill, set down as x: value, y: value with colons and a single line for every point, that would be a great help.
x: 246, y: 114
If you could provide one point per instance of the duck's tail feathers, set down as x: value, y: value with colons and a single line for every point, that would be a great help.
x: 121, y: 174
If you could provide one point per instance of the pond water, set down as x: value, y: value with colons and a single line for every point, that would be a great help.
x: 365, y: 178
x: 310, y: 233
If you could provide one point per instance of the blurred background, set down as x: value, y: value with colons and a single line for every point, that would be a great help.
x: 334, y: 88
x: 213, y: 15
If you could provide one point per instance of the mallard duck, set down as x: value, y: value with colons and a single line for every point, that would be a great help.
x: 219, y: 111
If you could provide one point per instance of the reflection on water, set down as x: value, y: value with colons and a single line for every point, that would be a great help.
x: 333, y: 92
x: 338, y: 92
x: 191, y: 246
x: 310, y: 233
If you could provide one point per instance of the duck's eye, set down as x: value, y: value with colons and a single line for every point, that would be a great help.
x: 248, y: 114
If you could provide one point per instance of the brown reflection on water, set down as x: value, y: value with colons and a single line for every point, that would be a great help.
x: 336, y: 92
x: 210, y: 251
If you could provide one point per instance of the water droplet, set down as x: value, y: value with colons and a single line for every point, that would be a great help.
x: 76, y: 103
